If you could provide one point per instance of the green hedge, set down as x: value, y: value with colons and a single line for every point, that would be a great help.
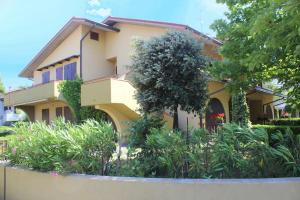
x: 287, y: 121
x: 273, y: 128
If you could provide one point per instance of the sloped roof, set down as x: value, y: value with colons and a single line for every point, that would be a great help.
x: 111, y: 21
x: 67, y: 29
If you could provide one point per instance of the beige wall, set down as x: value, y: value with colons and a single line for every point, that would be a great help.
x: 29, y: 185
x: 52, y: 109
x: 94, y: 63
x: 120, y: 44
x: 69, y: 47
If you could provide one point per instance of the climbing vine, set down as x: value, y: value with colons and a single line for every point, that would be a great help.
x: 240, y: 110
x: 71, y: 91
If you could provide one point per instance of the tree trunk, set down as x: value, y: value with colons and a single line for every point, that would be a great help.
x: 175, y: 121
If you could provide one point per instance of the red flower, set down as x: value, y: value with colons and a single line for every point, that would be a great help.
x: 216, y: 115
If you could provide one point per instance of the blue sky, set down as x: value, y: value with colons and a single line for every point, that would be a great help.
x: 27, y: 25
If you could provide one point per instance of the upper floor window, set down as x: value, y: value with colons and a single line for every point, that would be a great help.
x: 94, y: 36
x: 59, y: 73
x: 70, y: 71
x: 46, y: 77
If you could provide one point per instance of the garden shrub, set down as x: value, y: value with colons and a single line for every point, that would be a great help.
x: 286, y: 121
x: 200, y: 153
x: 162, y: 155
x: 5, y: 130
x: 231, y: 152
x: 240, y: 152
x: 282, y: 128
x: 63, y: 147
x: 140, y: 128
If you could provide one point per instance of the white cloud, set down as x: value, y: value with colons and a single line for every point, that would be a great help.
x: 94, y: 3
x: 103, y: 12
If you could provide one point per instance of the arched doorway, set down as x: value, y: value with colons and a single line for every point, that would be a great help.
x: 214, y: 109
x: 108, y: 119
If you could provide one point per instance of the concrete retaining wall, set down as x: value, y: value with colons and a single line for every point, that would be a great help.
x: 28, y: 185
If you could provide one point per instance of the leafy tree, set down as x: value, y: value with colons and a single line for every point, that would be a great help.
x: 2, y: 89
x: 168, y: 72
x: 261, y: 42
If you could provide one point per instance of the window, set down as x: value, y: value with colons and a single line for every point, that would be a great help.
x: 59, y: 73
x: 59, y: 112
x: 46, y: 77
x: 94, y: 36
x: 70, y: 71
x: 45, y: 115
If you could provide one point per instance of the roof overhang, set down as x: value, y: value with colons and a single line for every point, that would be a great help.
x: 268, y: 91
x: 72, y: 24
x: 111, y: 21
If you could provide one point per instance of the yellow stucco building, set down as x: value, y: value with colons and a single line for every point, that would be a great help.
x: 99, y: 53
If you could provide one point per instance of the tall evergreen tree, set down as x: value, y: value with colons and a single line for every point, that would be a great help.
x: 168, y: 73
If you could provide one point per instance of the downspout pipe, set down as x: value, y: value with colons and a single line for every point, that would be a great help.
x: 81, y: 43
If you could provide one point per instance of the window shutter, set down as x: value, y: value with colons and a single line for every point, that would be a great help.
x: 59, y: 73
x: 70, y: 71
x: 73, y: 71
x: 67, y: 72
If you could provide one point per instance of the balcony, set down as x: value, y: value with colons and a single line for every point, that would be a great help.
x: 34, y: 94
x: 110, y: 94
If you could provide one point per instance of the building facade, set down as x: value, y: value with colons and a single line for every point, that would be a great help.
x: 100, y: 53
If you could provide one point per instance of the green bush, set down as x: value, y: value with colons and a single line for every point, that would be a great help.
x: 200, y: 153
x: 232, y: 152
x: 63, y: 147
x: 287, y: 121
x: 5, y: 130
x: 240, y: 152
x: 140, y: 128
x: 282, y: 128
